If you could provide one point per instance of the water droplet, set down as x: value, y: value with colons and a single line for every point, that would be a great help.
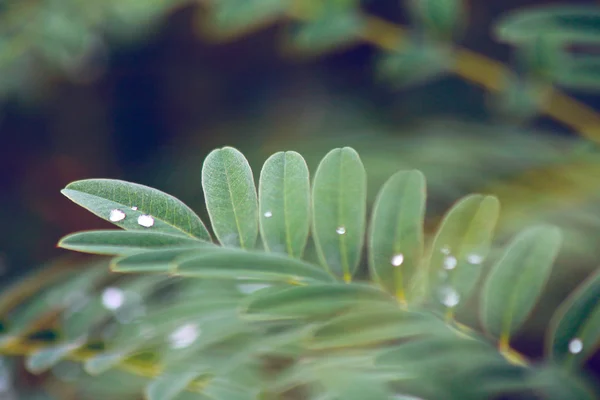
x: 575, y: 346
x: 268, y: 214
x: 145, y: 220
x: 340, y: 230
x: 112, y: 298
x: 445, y: 250
x: 134, y: 208
x: 450, y: 263
x: 475, y: 259
x: 249, y: 288
x: 116, y: 215
x: 184, y: 336
x: 397, y: 260
x: 449, y: 297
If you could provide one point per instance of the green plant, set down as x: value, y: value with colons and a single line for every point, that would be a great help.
x: 304, y: 319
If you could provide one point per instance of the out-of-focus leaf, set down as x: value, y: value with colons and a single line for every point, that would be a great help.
x: 169, y: 385
x: 312, y: 301
x: 415, y: 64
x: 372, y: 326
x: 114, y: 242
x: 516, y: 281
x: 438, y: 18
x: 352, y: 385
x: 238, y: 264
x: 62, y: 296
x: 284, y: 201
x: 580, y: 73
x: 332, y: 28
x: 45, y: 358
x: 129, y: 206
x: 568, y: 23
x: 150, y: 261
x: 396, y: 232
x: 461, y: 244
x: 339, y: 207
x: 234, y: 18
x: 574, y: 333
x: 230, y: 197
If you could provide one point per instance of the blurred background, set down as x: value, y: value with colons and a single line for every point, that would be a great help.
x: 143, y: 90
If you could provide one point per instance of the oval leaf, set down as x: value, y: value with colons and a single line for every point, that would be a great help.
x: 113, y: 242
x: 237, y: 264
x: 284, y: 199
x: 396, y: 234
x: 312, y: 301
x: 103, y: 196
x: 517, y: 279
x: 574, y: 333
x: 339, y: 205
x: 230, y: 197
x: 460, y: 246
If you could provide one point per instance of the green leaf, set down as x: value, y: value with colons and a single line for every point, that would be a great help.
x: 103, y: 362
x: 427, y: 351
x: 231, y: 197
x: 284, y: 199
x: 312, y: 301
x: 371, y: 326
x: 151, y: 261
x: 569, y: 23
x: 43, y: 359
x: 516, y: 281
x: 574, y: 333
x: 396, y: 232
x: 438, y: 18
x: 339, y: 206
x: 114, y: 242
x: 460, y: 246
x: 350, y: 384
x: 226, y: 263
x: 170, y: 215
x: 169, y: 385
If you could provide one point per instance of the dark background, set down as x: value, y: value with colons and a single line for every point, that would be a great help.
x: 172, y: 90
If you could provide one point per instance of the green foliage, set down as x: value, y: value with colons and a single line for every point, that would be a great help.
x: 339, y: 201
x: 219, y: 321
x: 574, y: 334
x: 230, y: 197
x: 396, y: 237
x: 284, y: 199
x: 517, y: 280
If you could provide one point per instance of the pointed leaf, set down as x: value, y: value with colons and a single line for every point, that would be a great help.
x: 170, y: 215
x: 42, y: 360
x: 114, y: 242
x: 371, y: 326
x: 396, y: 233
x: 284, y: 199
x: 226, y: 263
x: 574, y: 333
x: 460, y: 246
x: 151, y: 261
x: 339, y: 205
x: 105, y: 361
x: 312, y: 301
x: 230, y: 197
x: 516, y: 281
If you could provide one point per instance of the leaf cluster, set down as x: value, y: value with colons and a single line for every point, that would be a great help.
x: 251, y: 315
